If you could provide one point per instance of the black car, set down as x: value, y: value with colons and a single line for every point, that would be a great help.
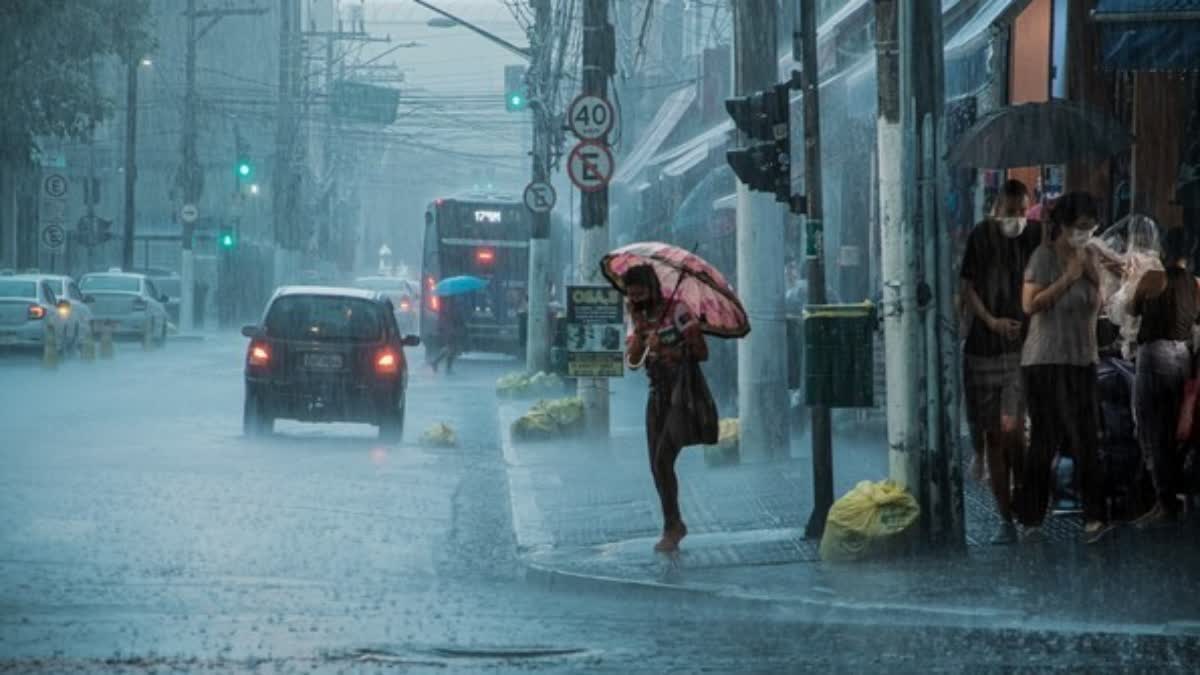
x: 326, y: 355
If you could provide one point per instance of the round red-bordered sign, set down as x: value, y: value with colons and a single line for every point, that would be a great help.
x: 590, y: 166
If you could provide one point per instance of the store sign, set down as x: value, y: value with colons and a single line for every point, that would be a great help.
x: 595, y: 332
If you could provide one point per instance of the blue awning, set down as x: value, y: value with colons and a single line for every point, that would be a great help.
x: 1124, y: 11
x: 1149, y: 34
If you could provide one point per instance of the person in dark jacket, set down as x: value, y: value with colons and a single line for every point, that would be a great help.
x: 1168, y: 303
x: 452, y: 328
x: 662, y: 337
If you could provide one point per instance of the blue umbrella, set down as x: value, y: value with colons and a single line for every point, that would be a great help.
x: 459, y: 285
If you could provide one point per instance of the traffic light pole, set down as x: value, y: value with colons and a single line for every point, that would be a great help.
x: 131, y: 97
x: 537, y: 337
x: 191, y: 174
x: 593, y: 213
x: 762, y: 356
x: 822, y: 436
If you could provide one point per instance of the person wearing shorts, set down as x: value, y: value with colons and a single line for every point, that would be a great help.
x: 992, y: 275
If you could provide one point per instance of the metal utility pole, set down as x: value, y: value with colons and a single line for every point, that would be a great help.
x: 941, y: 471
x: 598, y: 53
x: 922, y: 388
x: 537, y: 338
x: 822, y: 437
x: 131, y: 96
x: 284, y: 224
x: 191, y: 176
x: 762, y: 355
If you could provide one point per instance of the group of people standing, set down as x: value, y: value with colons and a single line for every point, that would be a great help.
x: 1031, y: 294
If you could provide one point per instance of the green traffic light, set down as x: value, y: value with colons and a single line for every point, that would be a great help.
x: 243, y: 169
x: 227, y: 240
x: 516, y: 101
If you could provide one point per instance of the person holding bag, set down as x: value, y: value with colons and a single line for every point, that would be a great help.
x: 1168, y: 303
x: 666, y: 339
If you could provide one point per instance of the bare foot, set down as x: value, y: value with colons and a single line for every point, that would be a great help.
x: 667, y: 544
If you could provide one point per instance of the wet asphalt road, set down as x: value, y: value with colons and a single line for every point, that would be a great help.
x: 139, y: 532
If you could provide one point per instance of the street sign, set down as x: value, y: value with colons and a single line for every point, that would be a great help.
x: 540, y: 197
x: 367, y: 103
x: 55, y: 186
x: 590, y: 166
x: 595, y: 332
x: 53, y: 237
x: 590, y: 117
x: 189, y: 213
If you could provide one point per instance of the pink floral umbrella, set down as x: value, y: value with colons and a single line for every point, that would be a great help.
x: 687, y: 277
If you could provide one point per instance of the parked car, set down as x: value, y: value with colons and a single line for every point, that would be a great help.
x: 404, y: 294
x: 28, y: 305
x: 128, y: 300
x: 77, y: 310
x: 169, y: 284
x: 326, y: 354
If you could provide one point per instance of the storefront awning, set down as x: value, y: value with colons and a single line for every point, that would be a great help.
x: 664, y: 122
x: 1149, y: 34
x: 974, y: 33
x: 1130, y: 11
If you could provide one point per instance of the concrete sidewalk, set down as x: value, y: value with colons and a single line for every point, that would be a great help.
x: 586, y: 516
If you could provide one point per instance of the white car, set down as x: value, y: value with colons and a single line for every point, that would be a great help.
x: 28, y: 308
x: 405, y: 297
x: 77, y: 311
x: 131, y: 302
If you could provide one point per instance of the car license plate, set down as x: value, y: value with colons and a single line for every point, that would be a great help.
x: 323, y: 361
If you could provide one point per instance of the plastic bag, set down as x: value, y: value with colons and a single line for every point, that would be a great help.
x: 549, y: 419
x: 872, y: 520
x: 726, y: 450
x: 524, y: 385
x: 440, y: 435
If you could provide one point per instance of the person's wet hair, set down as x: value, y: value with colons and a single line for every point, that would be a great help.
x: 1069, y: 208
x: 642, y: 275
x: 1176, y: 245
x: 1014, y: 189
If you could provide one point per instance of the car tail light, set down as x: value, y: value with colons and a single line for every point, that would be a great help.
x: 485, y: 256
x: 36, y: 312
x: 387, y: 363
x: 139, y: 304
x: 435, y: 303
x: 405, y: 305
x: 259, y: 355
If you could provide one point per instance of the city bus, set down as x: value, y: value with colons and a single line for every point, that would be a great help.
x: 486, y: 236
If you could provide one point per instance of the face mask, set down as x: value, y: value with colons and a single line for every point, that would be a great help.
x: 1012, y: 226
x: 1079, y: 238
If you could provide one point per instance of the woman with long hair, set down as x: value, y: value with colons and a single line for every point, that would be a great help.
x: 665, y: 338
x: 1168, y: 303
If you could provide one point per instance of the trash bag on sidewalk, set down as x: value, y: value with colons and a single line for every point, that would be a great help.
x: 870, y: 521
x: 726, y: 451
x: 524, y: 385
x: 549, y: 419
x: 440, y: 435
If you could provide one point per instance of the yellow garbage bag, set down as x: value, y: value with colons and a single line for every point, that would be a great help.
x: 872, y: 520
x: 440, y: 435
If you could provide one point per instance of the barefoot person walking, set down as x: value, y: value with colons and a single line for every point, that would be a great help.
x: 663, y: 338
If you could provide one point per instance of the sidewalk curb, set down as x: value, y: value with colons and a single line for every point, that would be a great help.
x: 533, y: 538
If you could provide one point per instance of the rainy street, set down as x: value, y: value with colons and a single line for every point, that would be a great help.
x: 160, y: 540
x: 665, y: 336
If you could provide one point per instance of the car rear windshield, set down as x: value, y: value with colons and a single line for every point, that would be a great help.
x: 17, y: 289
x: 325, y: 318
x: 168, y: 287
x: 126, y: 284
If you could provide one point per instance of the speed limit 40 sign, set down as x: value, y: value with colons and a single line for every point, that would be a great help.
x: 590, y: 117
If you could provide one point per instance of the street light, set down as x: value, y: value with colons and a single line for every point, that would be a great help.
x: 147, y: 62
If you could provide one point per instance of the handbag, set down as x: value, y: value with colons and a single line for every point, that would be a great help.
x: 694, y: 411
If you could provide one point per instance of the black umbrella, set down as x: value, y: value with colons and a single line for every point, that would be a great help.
x: 1037, y: 134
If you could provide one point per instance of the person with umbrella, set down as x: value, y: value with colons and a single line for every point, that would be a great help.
x: 665, y: 335
x: 453, y: 296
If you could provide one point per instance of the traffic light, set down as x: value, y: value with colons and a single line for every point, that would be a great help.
x: 765, y: 163
x: 515, y: 97
x: 226, y: 238
x: 244, y: 168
